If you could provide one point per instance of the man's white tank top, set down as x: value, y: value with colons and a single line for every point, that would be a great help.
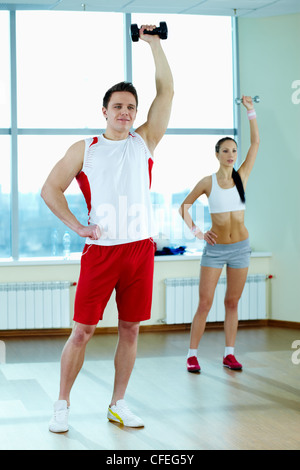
x: 115, y: 180
x: 224, y: 200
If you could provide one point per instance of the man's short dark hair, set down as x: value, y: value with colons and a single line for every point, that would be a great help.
x: 122, y: 86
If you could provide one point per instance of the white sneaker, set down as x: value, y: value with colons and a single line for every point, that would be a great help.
x: 59, y: 421
x: 120, y: 413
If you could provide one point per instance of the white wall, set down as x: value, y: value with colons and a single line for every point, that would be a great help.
x: 269, y: 65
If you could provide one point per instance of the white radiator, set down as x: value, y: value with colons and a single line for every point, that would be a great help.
x: 182, y: 297
x: 34, y: 305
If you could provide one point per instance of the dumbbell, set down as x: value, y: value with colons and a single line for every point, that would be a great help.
x: 161, y: 31
x: 256, y: 99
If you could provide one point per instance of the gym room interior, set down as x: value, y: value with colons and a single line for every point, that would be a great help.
x: 218, y: 51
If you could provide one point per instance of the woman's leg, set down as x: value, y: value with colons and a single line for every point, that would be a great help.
x: 208, y: 281
x: 236, y: 279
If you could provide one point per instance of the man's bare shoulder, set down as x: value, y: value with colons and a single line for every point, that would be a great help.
x: 74, y: 156
x: 77, y: 148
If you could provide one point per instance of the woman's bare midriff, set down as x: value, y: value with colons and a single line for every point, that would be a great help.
x: 229, y: 227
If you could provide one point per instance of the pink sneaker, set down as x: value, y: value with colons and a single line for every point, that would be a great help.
x: 231, y: 362
x: 192, y: 364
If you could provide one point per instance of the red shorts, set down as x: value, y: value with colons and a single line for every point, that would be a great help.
x: 128, y: 268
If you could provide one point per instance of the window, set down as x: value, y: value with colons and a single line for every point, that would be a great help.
x: 60, y: 86
x: 57, y: 99
x: 5, y: 173
x: 202, y: 105
x: 62, y: 77
x: 5, y: 72
x: 5, y: 228
x: 180, y: 162
x: 41, y: 233
x: 201, y: 63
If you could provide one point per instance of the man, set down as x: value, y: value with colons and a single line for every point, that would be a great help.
x: 114, y: 173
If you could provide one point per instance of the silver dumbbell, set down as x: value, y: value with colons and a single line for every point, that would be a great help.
x: 256, y: 99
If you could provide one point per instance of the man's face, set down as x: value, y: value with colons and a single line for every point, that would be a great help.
x: 121, y: 111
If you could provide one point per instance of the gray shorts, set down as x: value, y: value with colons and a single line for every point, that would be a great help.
x: 234, y: 255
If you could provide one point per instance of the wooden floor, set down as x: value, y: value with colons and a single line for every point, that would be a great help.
x: 257, y: 408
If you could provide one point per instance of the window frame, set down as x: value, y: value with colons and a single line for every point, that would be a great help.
x: 14, y: 131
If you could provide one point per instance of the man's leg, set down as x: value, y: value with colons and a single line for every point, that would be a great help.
x: 71, y: 362
x: 134, y: 297
x: 124, y: 357
x: 72, y: 358
x: 118, y: 410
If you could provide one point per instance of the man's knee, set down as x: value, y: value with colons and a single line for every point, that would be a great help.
x: 129, y: 330
x: 81, y: 334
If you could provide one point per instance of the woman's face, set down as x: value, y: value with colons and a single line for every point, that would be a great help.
x: 227, y: 154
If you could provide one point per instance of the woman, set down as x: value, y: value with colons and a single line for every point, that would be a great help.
x: 227, y: 242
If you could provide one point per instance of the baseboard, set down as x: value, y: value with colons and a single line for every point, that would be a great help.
x: 284, y: 324
x: 150, y: 328
x: 36, y: 332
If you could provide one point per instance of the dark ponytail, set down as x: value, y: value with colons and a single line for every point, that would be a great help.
x: 239, y: 184
x: 235, y: 175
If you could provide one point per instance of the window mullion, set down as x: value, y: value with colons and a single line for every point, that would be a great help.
x: 236, y: 85
x: 14, y: 141
x: 127, y: 48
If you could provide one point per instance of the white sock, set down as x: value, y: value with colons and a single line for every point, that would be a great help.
x: 228, y: 350
x: 192, y: 352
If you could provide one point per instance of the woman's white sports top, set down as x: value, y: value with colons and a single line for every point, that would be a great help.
x: 224, y: 200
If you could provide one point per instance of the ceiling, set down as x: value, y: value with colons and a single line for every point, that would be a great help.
x: 239, y: 8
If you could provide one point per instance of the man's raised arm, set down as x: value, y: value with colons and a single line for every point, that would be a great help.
x: 159, y: 113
